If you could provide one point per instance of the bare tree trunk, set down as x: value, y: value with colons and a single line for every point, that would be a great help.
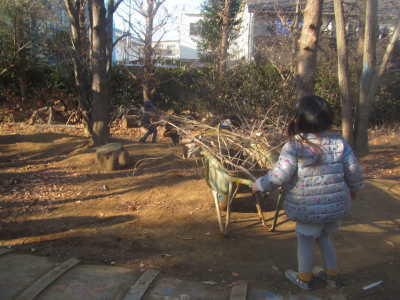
x: 343, y: 72
x: 375, y: 81
x: 20, y: 56
x: 148, y: 76
x: 101, y: 106
x: 389, y: 50
x: 76, y: 12
x: 223, y: 48
x: 144, y: 29
x: 294, y: 28
x: 385, y: 61
x: 110, y: 25
x: 358, y: 58
x: 308, y: 45
x: 361, y: 28
x: 369, y: 65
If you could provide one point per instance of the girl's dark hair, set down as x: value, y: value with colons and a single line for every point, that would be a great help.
x: 313, y: 115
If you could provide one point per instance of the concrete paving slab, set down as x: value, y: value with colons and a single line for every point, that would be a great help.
x: 175, y: 289
x: 102, y: 282
x: 91, y: 282
x: 303, y: 297
x: 18, y: 271
x: 260, y: 294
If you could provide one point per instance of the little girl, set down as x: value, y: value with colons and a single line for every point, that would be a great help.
x: 320, y: 176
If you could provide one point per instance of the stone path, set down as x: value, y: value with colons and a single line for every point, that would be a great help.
x: 24, y: 277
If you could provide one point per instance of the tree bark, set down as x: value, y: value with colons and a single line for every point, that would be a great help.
x: 110, y: 25
x: 372, y: 87
x: 100, y: 106
x: 20, y: 56
x: 79, y: 35
x: 294, y: 28
x: 388, y: 53
x: 148, y: 76
x: 308, y: 46
x: 343, y: 72
x: 369, y: 66
x: 361, y: 29
x: 223, y: 48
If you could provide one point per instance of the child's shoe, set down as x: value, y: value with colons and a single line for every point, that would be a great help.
x: 293, y: 276
x: 331, y: 281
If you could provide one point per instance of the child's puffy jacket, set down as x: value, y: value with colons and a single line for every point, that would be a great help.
x: 317, y: 177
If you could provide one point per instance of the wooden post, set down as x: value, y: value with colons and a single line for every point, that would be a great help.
x: 343, y: 72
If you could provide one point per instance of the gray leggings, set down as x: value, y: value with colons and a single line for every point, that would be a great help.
x: 305, y: 255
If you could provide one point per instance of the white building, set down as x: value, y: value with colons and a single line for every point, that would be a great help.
x: 181, y: 47
x: 241, y: 47
x: 128, y: 50
x: 260, y: 22
x: 189, y: 34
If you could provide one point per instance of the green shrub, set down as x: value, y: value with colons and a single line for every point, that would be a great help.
x: 250, y: 89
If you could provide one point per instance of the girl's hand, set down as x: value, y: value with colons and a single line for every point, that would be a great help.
x: 254, y: 188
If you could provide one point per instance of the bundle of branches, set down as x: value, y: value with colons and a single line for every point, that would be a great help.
x: 56, y: 112
x: 249, y: 147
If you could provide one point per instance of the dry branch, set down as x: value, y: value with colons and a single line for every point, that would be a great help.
x: 245, y: 149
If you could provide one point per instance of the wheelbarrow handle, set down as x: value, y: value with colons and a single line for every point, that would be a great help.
x: 243, y: 181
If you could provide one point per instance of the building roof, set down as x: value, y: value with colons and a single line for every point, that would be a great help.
x: 386, y: 7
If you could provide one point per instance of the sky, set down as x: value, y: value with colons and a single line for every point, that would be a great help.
x: 188, y: 4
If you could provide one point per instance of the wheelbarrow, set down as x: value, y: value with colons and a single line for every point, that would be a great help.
x: 224, y: 188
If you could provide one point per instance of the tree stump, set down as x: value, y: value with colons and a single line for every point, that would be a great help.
x: 112, y: 157
x: 131, y: 121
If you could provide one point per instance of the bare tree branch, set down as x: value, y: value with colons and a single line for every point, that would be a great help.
x: 117, y: 40
x: 389, y: 50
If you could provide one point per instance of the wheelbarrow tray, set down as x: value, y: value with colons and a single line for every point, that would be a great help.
x: 225, y: 186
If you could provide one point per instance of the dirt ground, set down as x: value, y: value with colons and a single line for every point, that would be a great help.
x: 55, y: 202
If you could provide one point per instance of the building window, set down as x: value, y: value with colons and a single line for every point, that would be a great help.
x: 195, y: 29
